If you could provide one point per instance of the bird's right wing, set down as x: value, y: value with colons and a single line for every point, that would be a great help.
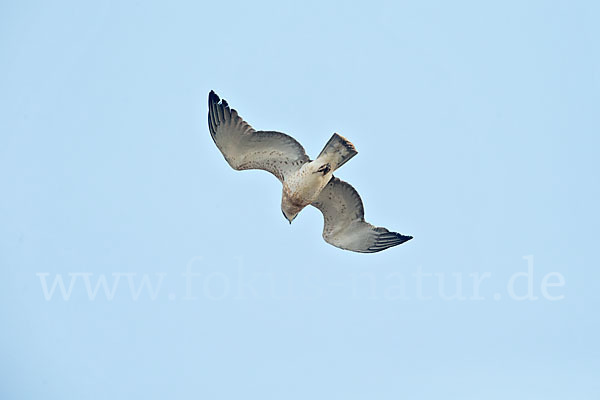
x: 345, y: 226
x: 245, y: 148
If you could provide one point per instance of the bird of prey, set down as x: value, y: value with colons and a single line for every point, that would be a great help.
x: 305, y: 181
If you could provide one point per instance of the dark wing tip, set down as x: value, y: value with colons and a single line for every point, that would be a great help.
x: 388, y: 239
x: 213, y: 97
x: 213, y: 118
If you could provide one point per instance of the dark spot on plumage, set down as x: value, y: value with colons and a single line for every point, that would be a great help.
x: 324, y: 169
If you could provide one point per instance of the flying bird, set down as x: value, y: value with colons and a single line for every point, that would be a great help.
x: 305, y: 181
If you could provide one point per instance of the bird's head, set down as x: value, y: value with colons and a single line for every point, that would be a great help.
x: 289, y: 209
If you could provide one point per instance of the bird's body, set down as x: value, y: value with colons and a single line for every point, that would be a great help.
x: 305, y: 182
x: 303, y: 187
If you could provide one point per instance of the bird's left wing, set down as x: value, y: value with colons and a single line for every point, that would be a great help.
x: 345, y: 226
x: 246, y: 148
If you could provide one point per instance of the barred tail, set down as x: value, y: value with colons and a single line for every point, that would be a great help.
x: 337, y: 151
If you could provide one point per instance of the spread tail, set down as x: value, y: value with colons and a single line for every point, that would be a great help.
x: 337, y: 151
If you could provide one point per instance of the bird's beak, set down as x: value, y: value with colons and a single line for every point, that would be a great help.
x: 290, y: 221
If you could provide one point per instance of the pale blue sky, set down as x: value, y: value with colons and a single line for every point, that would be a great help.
x: 477, y: 129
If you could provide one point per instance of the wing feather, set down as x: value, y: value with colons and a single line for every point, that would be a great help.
x: 246, y: 148
x: 344, y: 223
